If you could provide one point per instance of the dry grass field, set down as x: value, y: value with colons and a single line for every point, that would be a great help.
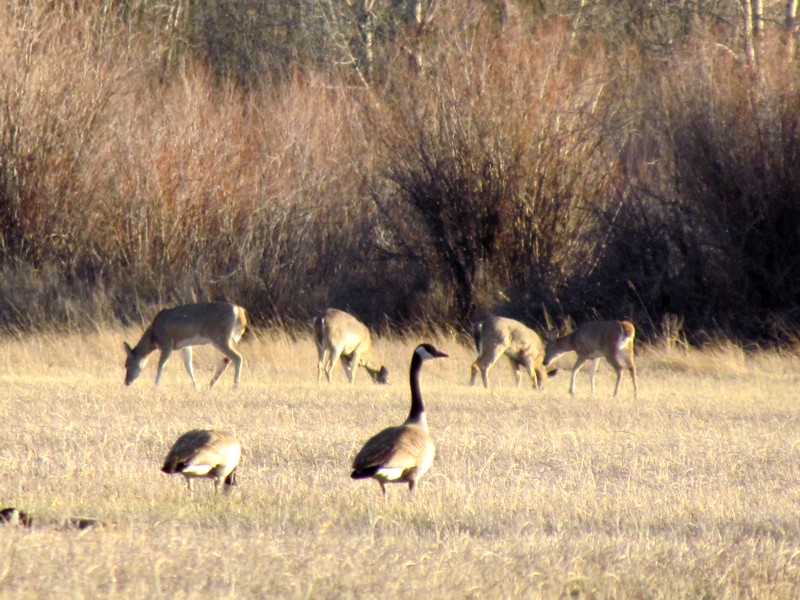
x: 691, y: 491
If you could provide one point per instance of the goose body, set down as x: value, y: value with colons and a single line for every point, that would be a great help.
x: 209, y: 453
x: 15, y: 516
x: 404, y: 453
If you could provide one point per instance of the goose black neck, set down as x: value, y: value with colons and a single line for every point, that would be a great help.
x: 417, y: 408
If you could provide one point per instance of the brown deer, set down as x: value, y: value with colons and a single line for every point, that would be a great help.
x: 217, y: 323
x: 496, y: 336
x: 612, y: 340
x: 339, y: 335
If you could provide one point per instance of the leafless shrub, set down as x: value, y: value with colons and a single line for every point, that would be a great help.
x: 730, y: 153
x: 405, y: 164
x: 492, y: 158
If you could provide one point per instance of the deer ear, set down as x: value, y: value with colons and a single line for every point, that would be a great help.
x: 128, y: 349
x: 567, y: 325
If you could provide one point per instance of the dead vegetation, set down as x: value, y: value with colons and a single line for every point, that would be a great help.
x: 691, y: 490
x: 403, y: 165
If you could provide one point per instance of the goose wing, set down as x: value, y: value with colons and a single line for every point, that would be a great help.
x: 393, y: 448
x: 202, y: 450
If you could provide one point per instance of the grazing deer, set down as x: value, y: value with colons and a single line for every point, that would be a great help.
x: 217, y: 323
x: 495, y: 336
x: 340, y: 335
x: 612, y: 340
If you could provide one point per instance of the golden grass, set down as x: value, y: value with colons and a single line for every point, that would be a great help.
x: 690, y: 491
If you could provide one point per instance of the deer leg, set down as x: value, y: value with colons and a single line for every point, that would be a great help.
x: 618, y: 371
x: 474, y: 370
x: 223, y: 366
x: 323, y: 354
x: 485, y: 365
x: 632, y: 369
x: 231, y: 356
x: 237, y: 365
x: 485, y: 374
x: 478, y: 367
x: 525, y: 361
x: 333, y: 357
x: 517, y: 375
x: 578, y: 364
x: 327, y: 365
x: 593, y: 373
x: 187, y: 361
x: 162, y: 361
x: 541, y: 376
x: 351, y: 365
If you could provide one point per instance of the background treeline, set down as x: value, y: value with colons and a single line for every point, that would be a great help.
x: 407, y: 160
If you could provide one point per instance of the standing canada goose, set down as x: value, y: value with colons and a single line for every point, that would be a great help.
x: 403, y: 453
x: 205, y: 453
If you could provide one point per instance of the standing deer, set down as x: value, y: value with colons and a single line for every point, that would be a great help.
x: 217, y: 323
x: 338, y: 334
x: 612, y: 340
x: 495, y: 336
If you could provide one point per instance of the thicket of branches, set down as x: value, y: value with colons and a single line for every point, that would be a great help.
x: 406, y: 160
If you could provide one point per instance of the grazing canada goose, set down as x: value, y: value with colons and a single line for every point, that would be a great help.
x: 83, y: 523
x: 205, y: 453
x: 14, y: 516
x: 403, y: 453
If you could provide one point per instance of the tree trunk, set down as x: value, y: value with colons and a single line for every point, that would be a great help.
x: 791, y: 13
x: 366, y: 28
x: 791, y: 27
x: 758, y: 18
x: 748, y: 28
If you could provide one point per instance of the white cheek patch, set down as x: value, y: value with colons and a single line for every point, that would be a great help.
x: 424, y: 354
x: 390, y: 474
